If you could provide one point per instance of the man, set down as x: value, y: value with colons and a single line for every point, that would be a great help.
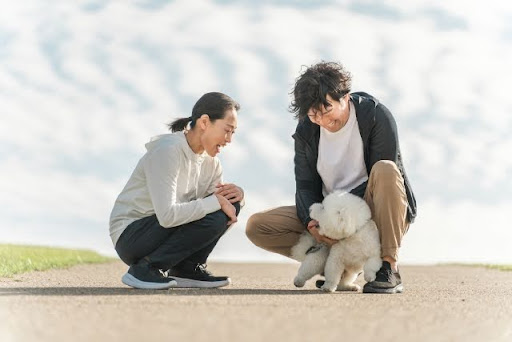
x: 349, y: 142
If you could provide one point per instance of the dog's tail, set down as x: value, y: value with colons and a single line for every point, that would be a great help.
x: 298, y: 251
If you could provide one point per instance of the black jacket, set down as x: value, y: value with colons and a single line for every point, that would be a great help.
x: 380, y: 142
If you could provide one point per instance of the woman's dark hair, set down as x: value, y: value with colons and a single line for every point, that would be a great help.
x: 213, y: 104
x: 313, y: 85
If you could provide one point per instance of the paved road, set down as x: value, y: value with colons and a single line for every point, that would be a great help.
x: 89, y: 303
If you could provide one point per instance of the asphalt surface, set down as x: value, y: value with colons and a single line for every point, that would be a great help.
x: 89, y: 303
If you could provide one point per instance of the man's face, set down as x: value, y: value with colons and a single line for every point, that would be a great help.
x: 332, y: 117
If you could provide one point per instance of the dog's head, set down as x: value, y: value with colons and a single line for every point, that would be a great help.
x: 340, y: 214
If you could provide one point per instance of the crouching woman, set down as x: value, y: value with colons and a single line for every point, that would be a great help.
x: 174, y: 208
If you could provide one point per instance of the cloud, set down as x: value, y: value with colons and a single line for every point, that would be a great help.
x: 460, y: 232
x: 42, y: 192
x: 83, y: 87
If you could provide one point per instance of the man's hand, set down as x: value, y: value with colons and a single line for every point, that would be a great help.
x: 313, y: 230
x: 231, y: 192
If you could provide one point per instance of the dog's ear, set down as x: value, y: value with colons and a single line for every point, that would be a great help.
x: 315, y: 210
x: 346, y: 220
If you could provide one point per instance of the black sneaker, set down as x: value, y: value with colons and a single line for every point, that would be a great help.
x: 196, y: 275
x: 143, y: 276
x: 386, y: 281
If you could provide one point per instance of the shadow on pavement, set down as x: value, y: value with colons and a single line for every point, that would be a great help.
x: 125, y: 291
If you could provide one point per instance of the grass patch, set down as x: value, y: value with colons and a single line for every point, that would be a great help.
x: 498, y: 267
x: 15, y: 259
x: 492, y: 266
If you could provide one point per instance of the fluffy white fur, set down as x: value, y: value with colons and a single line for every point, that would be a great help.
x: 345, y: 217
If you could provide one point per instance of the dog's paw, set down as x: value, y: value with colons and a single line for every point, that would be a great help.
x: 327, y: 288
x: 369, y: 277
x: 351, y: 287
x: 298, y: 282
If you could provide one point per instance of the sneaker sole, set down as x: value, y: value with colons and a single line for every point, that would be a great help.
x: 396, y: 289
x: 191, y: 283
x: 130, y: 280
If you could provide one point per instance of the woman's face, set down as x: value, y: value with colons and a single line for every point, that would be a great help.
x: 332, y: 117
x: 219, y: 133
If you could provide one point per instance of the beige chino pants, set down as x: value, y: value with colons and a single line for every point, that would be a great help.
x: 278, y: 230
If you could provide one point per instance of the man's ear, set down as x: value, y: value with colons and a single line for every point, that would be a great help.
x: 203, y: 121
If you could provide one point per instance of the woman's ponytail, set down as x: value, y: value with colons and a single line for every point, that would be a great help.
x: 179, y: 124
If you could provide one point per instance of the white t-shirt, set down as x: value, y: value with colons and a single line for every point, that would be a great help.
x: 341, y: 157
x: 170, y: 181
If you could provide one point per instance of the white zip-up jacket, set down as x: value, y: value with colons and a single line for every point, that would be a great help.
x: 171, y: 181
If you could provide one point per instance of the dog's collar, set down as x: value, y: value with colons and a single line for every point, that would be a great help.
x: 315, y: 248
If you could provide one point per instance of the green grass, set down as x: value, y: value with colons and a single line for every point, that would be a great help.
x: 500, y: 267
x: 15, y: 259
x: 497, y: 267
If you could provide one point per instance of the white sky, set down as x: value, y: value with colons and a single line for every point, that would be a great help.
x: 83, y: 85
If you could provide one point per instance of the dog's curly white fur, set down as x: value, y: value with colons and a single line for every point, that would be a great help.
x: 347, y: 218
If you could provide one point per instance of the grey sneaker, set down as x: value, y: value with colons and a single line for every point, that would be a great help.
x: 144, y: 276
x: 196, y: 275
x: 386, y: 281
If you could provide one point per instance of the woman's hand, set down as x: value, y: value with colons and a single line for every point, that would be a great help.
x: 313, y: 230
x: 227, y: 208
x: 231, y: 192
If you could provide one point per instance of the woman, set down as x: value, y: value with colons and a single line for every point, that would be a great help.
x: 175, y: 208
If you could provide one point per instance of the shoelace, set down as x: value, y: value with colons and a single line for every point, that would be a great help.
x: 384, y: 273
x: 157, y: 272
x: 202, y: 268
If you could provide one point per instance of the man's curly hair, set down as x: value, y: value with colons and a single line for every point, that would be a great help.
x: 313, y: 85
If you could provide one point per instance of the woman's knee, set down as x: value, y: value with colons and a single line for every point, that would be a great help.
x: 237, y: 207
x: 217, y: 220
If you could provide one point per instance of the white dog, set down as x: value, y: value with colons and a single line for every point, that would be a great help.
x: 347, y: 218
